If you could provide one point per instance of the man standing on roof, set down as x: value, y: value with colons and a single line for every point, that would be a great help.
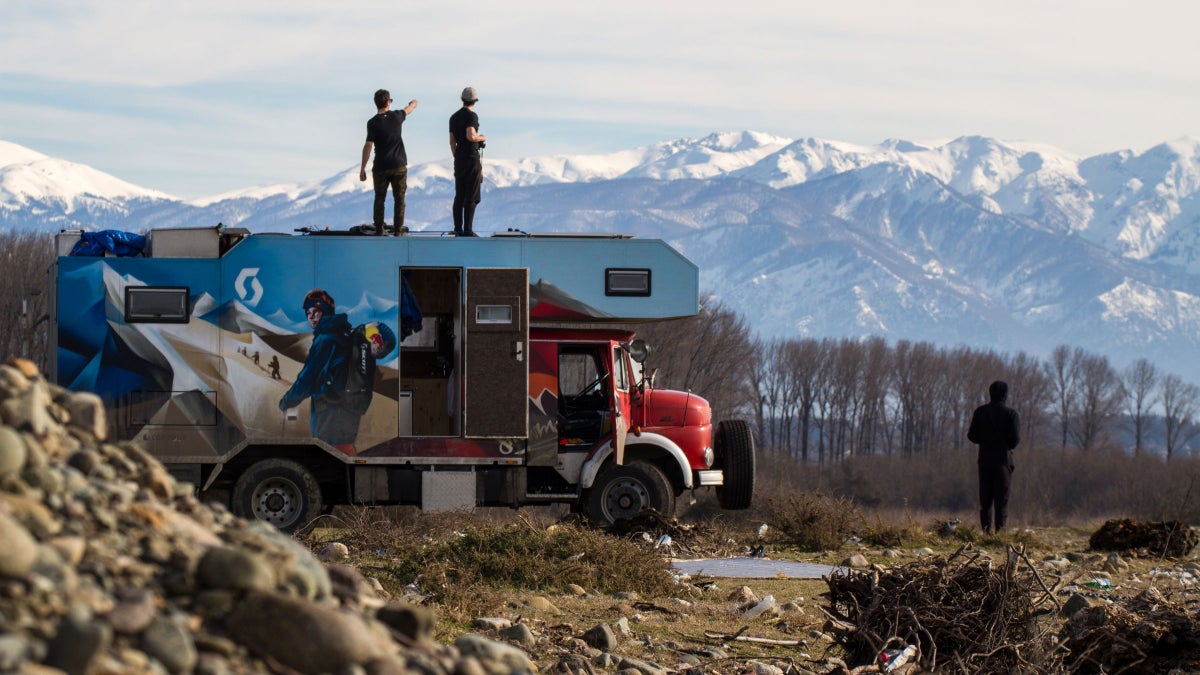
x: 391, y: 162
x: 465, y: 144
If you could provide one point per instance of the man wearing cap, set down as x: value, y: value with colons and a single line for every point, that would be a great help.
x: 391, y: 162
x: 465, y: 144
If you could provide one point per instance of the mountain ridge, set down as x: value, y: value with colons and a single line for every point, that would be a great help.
x: 977, y: 241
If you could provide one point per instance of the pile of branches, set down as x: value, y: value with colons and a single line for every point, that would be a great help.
x: 1147, y: 634
x: 963, y: 613
x: 1167, y: 539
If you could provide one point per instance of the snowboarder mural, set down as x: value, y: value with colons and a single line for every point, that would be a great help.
x: 339, y: 371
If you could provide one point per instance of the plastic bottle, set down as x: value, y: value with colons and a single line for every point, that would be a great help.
x: 891, y: 659
x: 763, y: 605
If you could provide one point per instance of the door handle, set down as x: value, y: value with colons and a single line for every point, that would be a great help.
x: 519, y: 350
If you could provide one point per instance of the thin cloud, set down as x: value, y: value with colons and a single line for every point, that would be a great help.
x: 272, y: 79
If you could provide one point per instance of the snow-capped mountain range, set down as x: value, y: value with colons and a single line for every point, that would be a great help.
x: 977, y: 241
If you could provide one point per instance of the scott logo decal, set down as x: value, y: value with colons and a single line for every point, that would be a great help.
x: 252, y: 297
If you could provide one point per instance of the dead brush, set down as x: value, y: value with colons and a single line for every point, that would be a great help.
x: 889, y: 535
x: 814, y: 522
x: 964, y: 614
x: 709, y: 536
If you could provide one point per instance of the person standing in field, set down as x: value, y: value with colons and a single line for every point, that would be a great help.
x: 465, y: 144
x: 391, y: 161
x: 996, y: 428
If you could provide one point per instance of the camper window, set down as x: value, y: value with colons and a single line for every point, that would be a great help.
x: 156, y: 304
x: 631, y: 282
x: 493, y: 314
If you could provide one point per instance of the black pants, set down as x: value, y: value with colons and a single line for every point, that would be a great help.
x: 468, y: 179
x: 994, y: 484
x: 398, y: 180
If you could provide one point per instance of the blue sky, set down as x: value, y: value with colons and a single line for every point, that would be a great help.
x: 198, y: 97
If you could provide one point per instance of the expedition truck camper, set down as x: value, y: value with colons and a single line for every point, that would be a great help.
x: 284, y: 374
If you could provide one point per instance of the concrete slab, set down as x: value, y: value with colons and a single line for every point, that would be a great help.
x: 755, y: 568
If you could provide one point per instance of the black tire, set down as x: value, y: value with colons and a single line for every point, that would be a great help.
x: 734, y: 450
x: 625, y: 491
x: 278, y: 491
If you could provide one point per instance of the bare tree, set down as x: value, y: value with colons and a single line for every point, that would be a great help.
x: 1140, y: 379
x: 1032, y: 393
x: 760, y: 371
x: 24, y: 293
x: 804, y: 363
x: 1180, y: 401
x: 774, y: 400
x: 916, y: 376
x: 872, y: 434
x: 1098, y: 401
x: 1062, y: 372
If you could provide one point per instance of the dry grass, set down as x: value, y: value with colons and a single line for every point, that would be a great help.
x: 466, y: 562
x: 495, y: 563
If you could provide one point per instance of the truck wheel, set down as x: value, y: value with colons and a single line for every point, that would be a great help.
x: 278, y: 491
x: 627, y: 490
x: 734, y: 450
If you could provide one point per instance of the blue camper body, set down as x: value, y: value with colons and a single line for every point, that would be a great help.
x: 287, y: 373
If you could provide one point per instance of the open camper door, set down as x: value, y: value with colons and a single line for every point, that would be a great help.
x: 496, y: 371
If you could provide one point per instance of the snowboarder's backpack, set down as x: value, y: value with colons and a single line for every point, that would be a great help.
x: 367, y: 342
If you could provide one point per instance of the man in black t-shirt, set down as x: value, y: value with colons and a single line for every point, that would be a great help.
x: 465, y: 144
x: 391, y: 162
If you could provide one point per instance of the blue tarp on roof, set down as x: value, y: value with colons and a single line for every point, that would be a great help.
x: 94, y: 244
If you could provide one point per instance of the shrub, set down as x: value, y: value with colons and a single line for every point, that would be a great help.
x: 814, y: 522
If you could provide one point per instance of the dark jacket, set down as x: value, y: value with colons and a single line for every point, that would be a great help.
x: 325, y: 369
x: 996, y: 428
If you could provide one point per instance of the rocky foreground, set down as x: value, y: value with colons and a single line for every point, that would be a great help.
x: 108, y: 565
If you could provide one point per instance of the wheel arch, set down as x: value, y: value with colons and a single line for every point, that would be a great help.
x: 327, y: 466
x: 652, y: 447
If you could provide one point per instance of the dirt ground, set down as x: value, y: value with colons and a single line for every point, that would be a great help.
x: 708, y: 624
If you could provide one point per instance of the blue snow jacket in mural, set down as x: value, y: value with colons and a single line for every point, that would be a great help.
x: 325, y: 369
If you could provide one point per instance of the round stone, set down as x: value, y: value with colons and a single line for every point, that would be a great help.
x: 12, y: 452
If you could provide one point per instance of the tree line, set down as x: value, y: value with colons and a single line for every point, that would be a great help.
x: 825, y: 400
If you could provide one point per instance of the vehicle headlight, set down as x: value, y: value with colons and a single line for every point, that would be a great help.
x: 709, y: 456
